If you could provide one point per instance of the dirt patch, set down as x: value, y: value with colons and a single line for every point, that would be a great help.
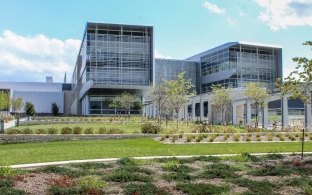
x: 36, y: 183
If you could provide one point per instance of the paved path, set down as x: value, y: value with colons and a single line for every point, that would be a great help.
x: 34, y: 165
x: 12, y: 123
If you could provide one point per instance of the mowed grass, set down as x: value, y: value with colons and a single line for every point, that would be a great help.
x: 75, y: 150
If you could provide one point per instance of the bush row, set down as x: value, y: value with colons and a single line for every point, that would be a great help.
x: 66, y: 130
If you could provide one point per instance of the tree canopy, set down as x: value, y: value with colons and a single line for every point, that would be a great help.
x: 221, y: 98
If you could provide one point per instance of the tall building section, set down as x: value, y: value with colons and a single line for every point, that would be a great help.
x: 113, y: 58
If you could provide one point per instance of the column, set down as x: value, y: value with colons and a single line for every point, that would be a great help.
x: 193, y: 111
x: 87, y: 109
x: 154, y: 110
x: 248, y: 112
x: 308, y: 118
x: 234, y: 114
x: 265, y: 117
x: 201, y: 107
x: 209, y: 113
x: 285, y: 111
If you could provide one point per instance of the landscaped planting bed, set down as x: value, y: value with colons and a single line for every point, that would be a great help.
x: 242, y: 174
x: 233, y: 137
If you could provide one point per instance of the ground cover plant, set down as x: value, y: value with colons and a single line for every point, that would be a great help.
x: 209, y: 175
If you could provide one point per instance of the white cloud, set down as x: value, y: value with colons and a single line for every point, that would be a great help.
x: 280, y: 14
x: 24, y: 57
x: 159, y: 55
x: 213, y: 8
x: 242, y: 14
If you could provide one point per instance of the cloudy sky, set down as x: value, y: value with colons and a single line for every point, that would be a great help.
x: 40, y: 38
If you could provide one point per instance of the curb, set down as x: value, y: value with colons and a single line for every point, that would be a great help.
x: 35, y: 165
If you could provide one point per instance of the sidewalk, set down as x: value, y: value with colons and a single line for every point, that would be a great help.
x: 12, y: 123
x: 34, y: 165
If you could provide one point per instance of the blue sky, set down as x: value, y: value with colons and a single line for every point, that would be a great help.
x: 42, y: 37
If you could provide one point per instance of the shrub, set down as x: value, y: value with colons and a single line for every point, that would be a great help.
x: 246, y: 157
x: 174, y: 138
x: 102, y: 130
x: 202, y: 188
x: 222, y: 171
x: 274, y: 156
x: 41, y: 131
x: 66, y: 130
x: 13, y: 131
x: 256, y: 187
x: 115, y: 130
x: 93, y: 182
x: 11, y: 191
x: 52, y: 130
x: 271, y: 171
x: 270, y: 137
x: 77, y: 130
x: 207, y: 158
x: 6, y: 171
x: 6, y: 183
x: 88, y: 131
x: 145, y: 188
x: 180, y: 135
x: 64, y: 190
x: 27, y: 131
x: 212, y: 137
x: 88, y: 166
x: 150, y: 128
x: 120, y: 175
x: 171, y: 165
x: 61, y: 171
x: 236, y: 137
x: 203, y: 128
x: 127, y: 162
x: 177, y: 176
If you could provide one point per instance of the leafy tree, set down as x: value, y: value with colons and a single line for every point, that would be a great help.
x: 258, y: 96
x: 115, y: 103
x: 126, y: 101
x: 137, y: 105
x: 55, y: 109
x: 29, y: 109
x: 298, y: 82
x: 17, y: 104
x: 160, y: 97
x: 4, y: 100
x: 221, y: 98
x: 179, y: 92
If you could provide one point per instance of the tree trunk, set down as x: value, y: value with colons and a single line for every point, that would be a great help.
x: 257, y: 110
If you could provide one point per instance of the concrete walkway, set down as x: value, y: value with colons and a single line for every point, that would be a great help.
x: 34, y: 165
x: 12, y: 123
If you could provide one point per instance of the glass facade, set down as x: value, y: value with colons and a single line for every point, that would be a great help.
x: 117, y: 55
x: 168, y: 69
x: 248, y: 64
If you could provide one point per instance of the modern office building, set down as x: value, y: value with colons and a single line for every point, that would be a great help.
x: 112, y: 59
x: 42, y: 95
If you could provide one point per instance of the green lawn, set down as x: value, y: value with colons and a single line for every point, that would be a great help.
x: 74, y: 150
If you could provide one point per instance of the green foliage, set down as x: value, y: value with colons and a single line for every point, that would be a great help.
x: 150, y: 128
x: 27, y: 131
x: 6, y: 183
x: 258, y: 95
x: 93, y: 182
x: 62, y: 171
x: 30, y: 109
x: 40, y: 131
x: 88, y: 166
x: 255, y: 187
x: 121, y: 175
x: 52, y: 130
x: 298, y: 82
x: 126, y: 162
x: 273, y: 156
x: 112, y: 130
x: 125, y: 101
x: 201, y: 188
x: 177, y: 176
x: 13, y: 131
x: 4, y: 100
x: 6, y: 171
x: 55, y: 109
x: 11, y: 191
x: 246, y: 157
x: 272, y: 171
x: 219, y: 171
x: 77, y: 130
x: 57, y: 190
x: 17, y: 104
x: 207, y: 158
x: 88, y: 130
x: 66, y: 130
x: 221, y: 99
x: 145, y: 188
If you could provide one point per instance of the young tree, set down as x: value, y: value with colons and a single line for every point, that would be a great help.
x: 55, y: 109
x: 298, y: 82
x: 179, y: 92
x: 4, y: 100
x: 221, y: 98
x: 258, y: 95
x: 115, y: 103
x: 126, y: 101
x: 29, y: 109
x: 160, y: 96
x: 17, y: 104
